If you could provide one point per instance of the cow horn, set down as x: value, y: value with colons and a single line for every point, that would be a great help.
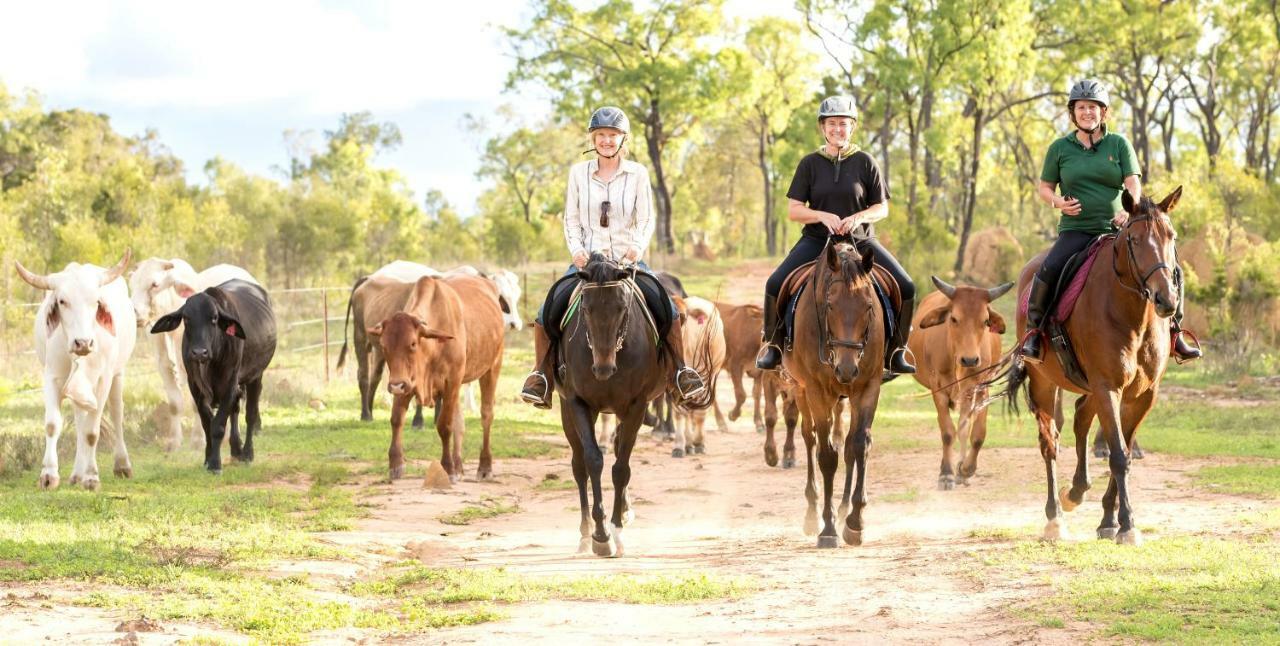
x: 35, y: 280
x: 115, y: 272
x: 944, y: 287
x: 998, y: 291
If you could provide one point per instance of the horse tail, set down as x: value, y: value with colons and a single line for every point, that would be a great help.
x: 1010, y: 377
x: 342, y: 355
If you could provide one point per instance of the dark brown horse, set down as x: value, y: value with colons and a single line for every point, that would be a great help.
x: 837, y: 349
x: 1121, y: 339
x: 611, y: 364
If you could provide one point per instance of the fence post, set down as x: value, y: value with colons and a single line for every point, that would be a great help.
x: 524, y: 293
x: 324, y: 299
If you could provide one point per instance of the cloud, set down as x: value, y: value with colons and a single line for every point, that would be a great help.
x: 305, y: 56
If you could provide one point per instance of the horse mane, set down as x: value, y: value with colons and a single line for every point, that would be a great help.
x: 851, y: 266
x: 599, y: 269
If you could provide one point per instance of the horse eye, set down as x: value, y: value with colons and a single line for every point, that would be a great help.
x: 953, y: 320
x: 986, y: 323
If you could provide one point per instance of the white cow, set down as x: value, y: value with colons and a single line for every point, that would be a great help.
x: 161, y: 286
x: 404, y: 271
x: 85, y: 331
x: 704, y: 351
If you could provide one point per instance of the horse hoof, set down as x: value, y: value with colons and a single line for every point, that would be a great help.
x: 1054, y: 531
x: 1108, y: 533
x: 965, y: 472
x: 454, y: 478
x: 1064, y: 497
x: 484, y: 474
x: 946, y: 483
x: 124, y: 472
x: 811, y: 525
x: 852, y: 536
x: 771, y: 458
x: 677, y: 453
x: 617, y: 542
x: 584, y: 545
x: 699, y: 449
x: 828, y: 542
x: 788, y: 463
x: 48, y: 481
x: 1137, y: 453
x: 397, y: 472
x: 602, y: 548
x: 90, y: 484
x: 628, y: 517
x: 1131, y: 537
x: 734, y: 414
x: 760, y: 428
x: 1103, y: 452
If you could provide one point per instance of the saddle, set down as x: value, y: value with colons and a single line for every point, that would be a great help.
x: 566, y: 294
x: 887, y: 291
x: 1070, y: 285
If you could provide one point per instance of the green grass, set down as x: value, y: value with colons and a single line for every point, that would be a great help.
x: 1247, y: 479
x: 488, y: 508
x: 450, y: 586
x: 909, y: 495
x: 553, y: 482
x: 1178, y: 589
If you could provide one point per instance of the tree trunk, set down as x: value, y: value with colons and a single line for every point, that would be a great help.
x: 653, y: 139
x: 971, y: 182
x: 770, y: 226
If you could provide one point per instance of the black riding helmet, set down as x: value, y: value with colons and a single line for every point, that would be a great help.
x: 609, y: 117
x: 1088, y: 90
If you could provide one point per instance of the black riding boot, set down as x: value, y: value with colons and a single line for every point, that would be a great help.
x: 770, y: 355
x: 898, y: 363
x: 1037, y: 312
x: 1182, y: 351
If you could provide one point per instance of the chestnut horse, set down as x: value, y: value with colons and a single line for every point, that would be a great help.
x: 1121, y: 340
x: 611, y: 364
x: 837, y: 349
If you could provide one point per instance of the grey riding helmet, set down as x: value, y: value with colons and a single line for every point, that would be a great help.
x: 838, y: 106
x: 610, y: 117
x: 1088, y: 90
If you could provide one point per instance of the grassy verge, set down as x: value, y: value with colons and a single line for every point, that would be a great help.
x: 1248, y: 479
x: 488, y: 508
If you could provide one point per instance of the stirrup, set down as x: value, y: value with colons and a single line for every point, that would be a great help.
x: 1173, y: 345
x: 697, y: 392
x: 1022, y: 344
x: 539, y: 402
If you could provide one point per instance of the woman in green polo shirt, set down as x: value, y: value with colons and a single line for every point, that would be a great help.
x: 1092, y: 166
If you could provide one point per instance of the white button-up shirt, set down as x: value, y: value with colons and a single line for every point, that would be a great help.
x: 630, y: 214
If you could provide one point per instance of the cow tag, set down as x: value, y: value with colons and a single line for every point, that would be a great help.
x: 231, y: 330
x: 104, y: 319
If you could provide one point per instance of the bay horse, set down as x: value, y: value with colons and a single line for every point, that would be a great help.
x: 1122, y: 344
x: 611, y: 363
x: 837, y: 349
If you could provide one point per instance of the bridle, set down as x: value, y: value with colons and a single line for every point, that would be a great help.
x: 1140, y: 278
x: 826, y: 344
x: 626, y: 312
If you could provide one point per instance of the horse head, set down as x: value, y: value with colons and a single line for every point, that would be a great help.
x: 1147, y: 245
x: 605, y: 302
x: 846, y: 307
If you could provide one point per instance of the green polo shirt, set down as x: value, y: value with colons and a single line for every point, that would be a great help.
x: 1094, y: 176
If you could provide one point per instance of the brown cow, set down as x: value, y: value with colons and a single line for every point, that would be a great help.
x: 742, y: 325
x: 374, y: 299
x: 955, y: 338
x: 450, y: 333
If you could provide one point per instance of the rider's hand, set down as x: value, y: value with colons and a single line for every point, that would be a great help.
x: 580, y: 259
x: 631, y: 256
x: 847, y: 225
x: 831, y: 221
x: 1119, y: 219
x: 1070, y: 206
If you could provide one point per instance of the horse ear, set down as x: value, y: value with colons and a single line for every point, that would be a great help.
x: 1170, y: 201
x: 868, y: 260
x: 1126, y: 201
x: 833, y: 258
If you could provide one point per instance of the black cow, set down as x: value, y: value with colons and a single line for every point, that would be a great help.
x: 229, y: 339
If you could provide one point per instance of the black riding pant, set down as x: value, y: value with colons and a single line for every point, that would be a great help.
x: 808, y: 248
x: 1068, y: 244
x: 656, y: 299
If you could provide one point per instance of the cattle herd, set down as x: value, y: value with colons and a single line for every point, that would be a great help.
x: 434, y: 333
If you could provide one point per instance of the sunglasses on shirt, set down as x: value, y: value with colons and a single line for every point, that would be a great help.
x: 604, y: 213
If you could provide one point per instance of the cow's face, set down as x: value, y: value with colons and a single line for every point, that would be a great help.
x: 407, y: 342
x: 508, y: 296
x: 969, y: 319
x: 149, y: 280
x: 76, y: 304
x: 209, y: 326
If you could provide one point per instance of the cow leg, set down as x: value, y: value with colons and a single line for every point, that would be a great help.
x: 395, y: 454
x: 488, y: 389
x: 622, y: 512
x: 459, y: 431
x: 205, y: 413
x: 757, y: 389
x: 790, y: 416
x: 233, y: 419
x: 942, y: 405
x: 52, y: 431
x: 721, y: 424
x: 739, y: 393
x: 699, y: 428
x: 418, y: 421
x: 1043, y: 395
x: 376, y: 364
x: 252, y: 416
x: 444, y: 428
x: 115, y: 407
x: 167, y: 365
x: 810, y: 488
x: 363, y: 359
x: 977, y: 437
x: 88, y: 430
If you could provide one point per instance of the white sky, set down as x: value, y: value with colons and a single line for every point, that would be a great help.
x: 229, y: 79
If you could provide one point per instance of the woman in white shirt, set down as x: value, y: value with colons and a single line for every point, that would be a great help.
x: 608, y: 209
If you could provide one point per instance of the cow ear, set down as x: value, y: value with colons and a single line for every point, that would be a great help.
x: 432, y: 333
x: 995, y: 322
x: 935, y: 317
x: 167, y: 323
x: 53, y: 318
x: 184, y: 290
x: 375, y: 330
x: 104, y: 318
x: 231, y: 326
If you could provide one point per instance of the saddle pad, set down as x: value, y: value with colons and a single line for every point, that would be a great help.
x: 887, y: 292
x: 575, y: 300
x: 1076, y: 274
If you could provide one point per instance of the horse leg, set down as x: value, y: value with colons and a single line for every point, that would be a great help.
x: 1107, y: 407
x: 790, y: 415
x: 584, y: 420
x: 757, y: 389
x: 579, y: 475
x: 680, y: 437
x: 810, y: 489
x: 861, y: 442
x: 942, y: 404
x: 821, y: 406
x: 622, y: 513
x: 1080, y: 483
x: 395, y: 454
x: 770, y: 421
x: 1043, y: 395
x: 1132, y: 412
